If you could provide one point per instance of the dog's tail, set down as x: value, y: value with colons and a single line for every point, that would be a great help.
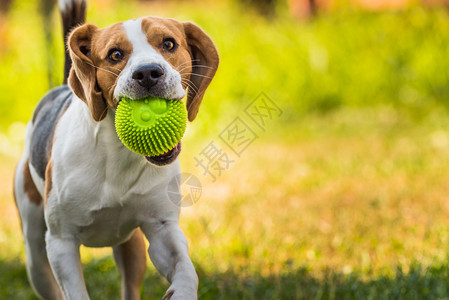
x: 73, y: 13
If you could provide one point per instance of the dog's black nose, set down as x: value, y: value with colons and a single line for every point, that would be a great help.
x: 148, y: 75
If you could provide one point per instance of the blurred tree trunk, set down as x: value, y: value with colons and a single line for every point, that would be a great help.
x: 313, y: 7
x: 303, y: 9
x: 264, y: 7
x: 46, y: 9
x: 4, y: 6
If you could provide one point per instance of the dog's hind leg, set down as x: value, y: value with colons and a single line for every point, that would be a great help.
x: 130, y: 258
x: 31, y: 209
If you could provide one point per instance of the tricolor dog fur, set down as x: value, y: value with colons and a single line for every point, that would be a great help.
x: 76, y: 183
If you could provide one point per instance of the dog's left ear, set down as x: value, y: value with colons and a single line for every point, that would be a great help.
x: 204, y: 65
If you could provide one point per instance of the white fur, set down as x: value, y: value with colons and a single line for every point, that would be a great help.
x: 33, y: 228
x: 100, y: 193
x: 38, y: 181
x: 108, y: 180
x: 143, y: 53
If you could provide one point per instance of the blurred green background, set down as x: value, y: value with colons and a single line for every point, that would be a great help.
x: 343, y: 196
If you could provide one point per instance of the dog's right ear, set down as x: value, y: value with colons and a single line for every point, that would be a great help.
x: 83, y: 75
x: 205, y: 55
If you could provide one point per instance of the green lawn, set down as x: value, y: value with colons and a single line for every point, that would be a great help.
x: 343, y: 196
x: 356, y: 208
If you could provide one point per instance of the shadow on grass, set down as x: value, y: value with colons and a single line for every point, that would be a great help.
x: 103, y: 283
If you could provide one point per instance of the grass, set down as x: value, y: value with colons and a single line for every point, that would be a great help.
x: 418, y: 283
x: 342, y: 197
x: 354, y: 209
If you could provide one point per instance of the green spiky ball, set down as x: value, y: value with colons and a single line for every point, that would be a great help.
x: 150, y: 126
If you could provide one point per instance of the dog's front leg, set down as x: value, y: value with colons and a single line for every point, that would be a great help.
x: 169, y: 253
x: 64, y: 257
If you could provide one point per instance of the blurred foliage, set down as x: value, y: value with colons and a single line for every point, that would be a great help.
x: 341, y: 58
x: 349, y: 200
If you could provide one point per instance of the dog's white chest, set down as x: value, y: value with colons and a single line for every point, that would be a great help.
x: 109, y: 226
x: 101, y: 191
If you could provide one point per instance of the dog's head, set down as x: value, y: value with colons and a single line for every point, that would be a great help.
x: 149, y: 56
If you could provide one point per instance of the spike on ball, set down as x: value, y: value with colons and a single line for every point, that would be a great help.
x: 150, y: 126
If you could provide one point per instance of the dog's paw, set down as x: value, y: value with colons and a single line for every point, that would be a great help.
x: 178, y: 295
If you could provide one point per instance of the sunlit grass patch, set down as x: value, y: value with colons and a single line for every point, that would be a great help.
x: 350, y: 204
x: 357, y: 191
x: 343, y: 196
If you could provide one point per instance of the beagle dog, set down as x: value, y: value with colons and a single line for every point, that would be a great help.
x: 77, y: 184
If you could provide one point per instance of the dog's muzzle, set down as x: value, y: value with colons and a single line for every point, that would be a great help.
x: 166, y: 158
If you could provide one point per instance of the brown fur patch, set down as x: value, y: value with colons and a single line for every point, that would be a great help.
x: 103, y: 41
x: 196, y: 56
x: 14, y: 186
x: 15, y: 196
x: 205, y: 58
x: 132, y: 257
x: 93, y: 77
x: 82, y: 78
x: 48, y: 180
x: 72, y: 16
x: 29, y: 186
x: 157, y: 29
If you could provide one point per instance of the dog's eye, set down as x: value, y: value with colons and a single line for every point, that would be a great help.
x: 169, y: 44
x: 115, y: 55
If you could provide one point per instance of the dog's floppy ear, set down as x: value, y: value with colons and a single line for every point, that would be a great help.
x: 204, y: 65
x: 82, y: 78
